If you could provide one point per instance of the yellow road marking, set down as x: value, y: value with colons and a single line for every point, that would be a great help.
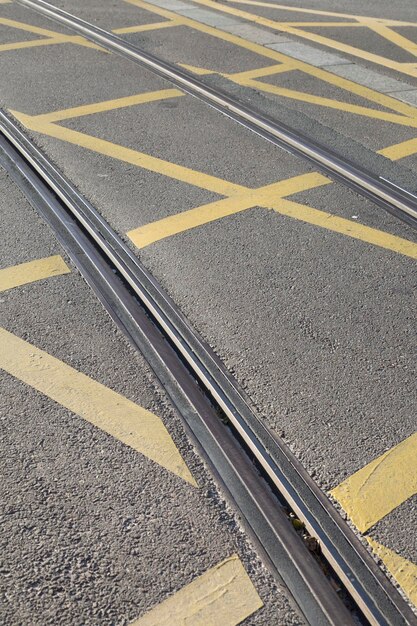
x: 196, y: 70
x: 330, y: 43
x: 141, y: 28
x: 348, y: 228
x: 109, y: 105
x: 140, y: 159
x: 285, y: 7
x: 240, y: 77
x: 326, y: 24
x: 399, y: 40
x: 400, y: 150
x: 126, y: 421
x: 34, y: 43
x: 381, y: 486
x: 404, y: 571
x: 268, y: 197
x: 329, y: 103
x: 54, y: 36
x: 30, y: 28
x: 219, y: 186
x: 32, y: 271
x: 348, y: 85
x: 223, y: 595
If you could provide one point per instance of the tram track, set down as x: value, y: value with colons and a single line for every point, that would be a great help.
x: 245, y: 456
x: 203, y: 392
x: 384, y: 193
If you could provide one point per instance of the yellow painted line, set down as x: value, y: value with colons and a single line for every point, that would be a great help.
x: 109, y: 105
x: 329, y: 103
x: 223, y: 595
x: 285, y: 7
x: 30, y: 28
x: 126, y: 421
x: 268, y: 197
x: 400, y: 150
x: 333, y: 79
x: 141, y: 28
x: 34, y: 43
x: 378, y: 488
x: 44, y: 32
x: 222, y: 187
x: 237, y: 77
x: 30, y: 272
x: 403, y: 570
x: 399, y: 40
x: 200, y: 71
x: 330, y: 43
x: 348, y: 228
x: 326, y: 24
x: 140, y: 159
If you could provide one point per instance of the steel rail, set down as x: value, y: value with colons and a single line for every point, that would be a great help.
x: 369, y: 588
x: 381, y: 191
x: 267, y: 522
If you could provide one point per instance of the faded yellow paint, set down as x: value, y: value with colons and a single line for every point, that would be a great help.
x: 141, y: 28
x: 30, y: 272
x: 128, y: 422
x: 268, y: 196
x: 109, y: 105
x: 403, y: 570
x: 400, y: 150
x: 378, y: 488
x: 223, y: 595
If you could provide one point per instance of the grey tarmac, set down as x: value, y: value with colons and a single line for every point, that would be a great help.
x: 316, y: 326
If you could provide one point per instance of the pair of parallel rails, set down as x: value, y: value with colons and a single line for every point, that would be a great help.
x: 262, y: 477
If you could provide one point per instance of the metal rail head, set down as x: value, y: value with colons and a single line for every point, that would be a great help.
x: 383, y: 192
x: 271, y: 455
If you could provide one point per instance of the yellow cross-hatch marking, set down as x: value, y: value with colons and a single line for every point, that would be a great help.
x: 128, y: 422
x: 238, y: 197
x: 223, y: 595
x: 405, y: 111
x: 268, y: 197
x: 109, y: 105
x: 400, y: 150
x: 32, y: 271
x: 285, y: 7
x: 326, y: 41
x: 381, y: 486
x: 51, y: 37
x: 140, y: 28
x: 373, y: 492
x: 403, y: 570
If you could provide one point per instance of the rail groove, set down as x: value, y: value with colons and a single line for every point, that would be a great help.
x: 383, y: 192
x: 155, y: 326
